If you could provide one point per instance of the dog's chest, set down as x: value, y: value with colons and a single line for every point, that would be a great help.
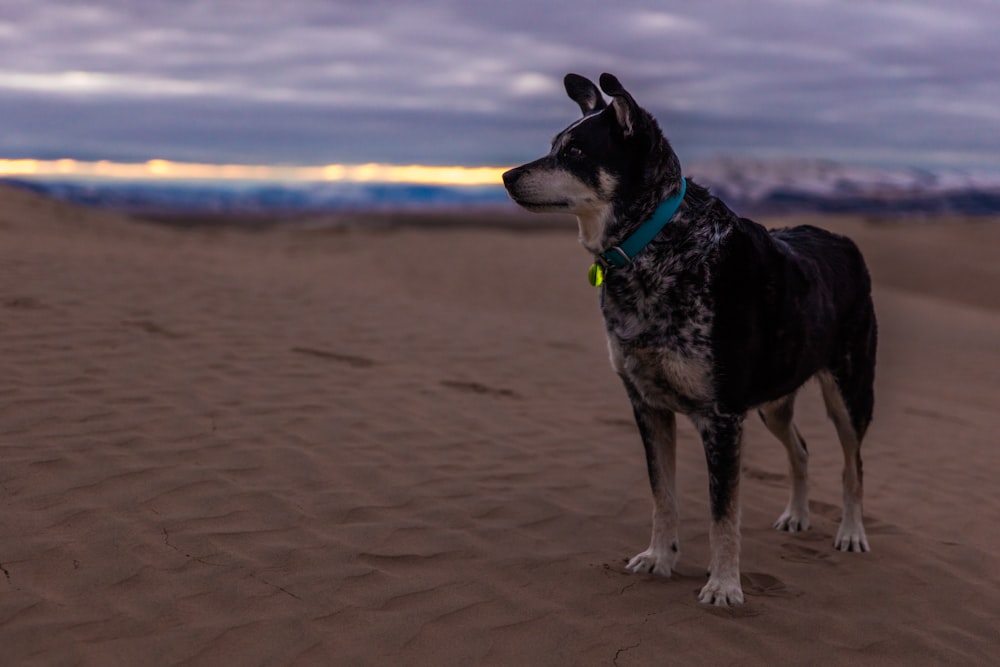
x: 659, y: 339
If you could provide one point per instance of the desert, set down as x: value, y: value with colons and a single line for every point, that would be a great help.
x: 399, y: 441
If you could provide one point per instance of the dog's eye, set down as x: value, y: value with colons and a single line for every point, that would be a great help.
x: 574, y: 152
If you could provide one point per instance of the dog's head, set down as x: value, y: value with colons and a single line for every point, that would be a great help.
x: 609, y: 168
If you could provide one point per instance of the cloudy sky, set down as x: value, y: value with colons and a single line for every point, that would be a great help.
x: 444, y: 82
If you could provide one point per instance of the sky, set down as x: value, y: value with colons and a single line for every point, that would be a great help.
x: 464, y: 82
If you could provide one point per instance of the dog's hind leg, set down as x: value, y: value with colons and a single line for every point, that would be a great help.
x: 658, y: 429
x: 722, y: 436
x: 777, y: 417
x: 851, y: 534
x: 849, y: 393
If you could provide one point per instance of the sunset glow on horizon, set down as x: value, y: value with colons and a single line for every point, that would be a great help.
x: 169, y: 170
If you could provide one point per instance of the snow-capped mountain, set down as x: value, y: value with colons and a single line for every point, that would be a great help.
x: 796, y: 185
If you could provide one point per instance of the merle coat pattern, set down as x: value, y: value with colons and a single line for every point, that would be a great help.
x: 715, y: 316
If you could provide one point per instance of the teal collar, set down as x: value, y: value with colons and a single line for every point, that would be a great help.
x: 621, y: 255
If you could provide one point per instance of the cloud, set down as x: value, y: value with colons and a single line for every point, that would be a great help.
x: 535, y: 83
x: 99, y: 83
x: 447, y: 81
x: 661, y: 23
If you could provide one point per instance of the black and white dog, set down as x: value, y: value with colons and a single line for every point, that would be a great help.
x: 709, y: 314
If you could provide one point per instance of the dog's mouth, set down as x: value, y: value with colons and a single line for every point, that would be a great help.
x: 547, y: 205
x: 544, y: 206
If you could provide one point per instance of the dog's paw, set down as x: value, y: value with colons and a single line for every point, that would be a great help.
x: 722, y: 592
x: 851, y: 538
x: 653, y: 562
x: 792, y: 522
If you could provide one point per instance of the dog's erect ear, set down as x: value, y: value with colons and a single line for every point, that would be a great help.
x: 583, y: 91
x: 626, y: 109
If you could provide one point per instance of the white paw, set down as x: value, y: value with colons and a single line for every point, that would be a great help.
x: 722, y: 592
x: 653, y: 562
x: 792, y: 522
x: 851, y: 538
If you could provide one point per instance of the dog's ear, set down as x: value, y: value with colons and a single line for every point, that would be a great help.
x: 583, y: 91
x: 625, y: 107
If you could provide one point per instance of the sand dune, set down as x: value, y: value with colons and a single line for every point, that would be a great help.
x: 407, y: 447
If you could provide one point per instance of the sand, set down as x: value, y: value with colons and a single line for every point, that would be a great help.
x: 406, y: 446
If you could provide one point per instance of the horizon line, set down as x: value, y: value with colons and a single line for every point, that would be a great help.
x: 157, y: 169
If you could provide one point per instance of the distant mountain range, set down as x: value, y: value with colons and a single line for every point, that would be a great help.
x: 794, y: 186
x: 251, y: 197
x: 748, y: 186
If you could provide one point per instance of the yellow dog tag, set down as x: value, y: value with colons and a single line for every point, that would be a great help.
x: 596, y: 275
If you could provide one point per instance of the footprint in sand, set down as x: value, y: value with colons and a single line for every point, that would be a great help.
x: 825, y: 510
x: 764, y: 585
x: 349, y: 359
x: 24, y: 303
x: 152, y: 328
x: 799, y: 553
x: 477, y: 388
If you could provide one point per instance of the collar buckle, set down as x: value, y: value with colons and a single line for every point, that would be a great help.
x: 626, y: 260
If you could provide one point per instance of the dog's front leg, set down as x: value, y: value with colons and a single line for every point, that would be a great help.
x: 658, y: 429
x: 722, y: 436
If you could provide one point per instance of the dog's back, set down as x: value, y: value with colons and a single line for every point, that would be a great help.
x: 789, y: 303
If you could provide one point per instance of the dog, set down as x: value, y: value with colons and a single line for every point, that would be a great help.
x: 710, y: 315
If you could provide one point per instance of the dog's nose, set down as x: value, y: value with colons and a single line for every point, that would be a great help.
x: 510, y: 176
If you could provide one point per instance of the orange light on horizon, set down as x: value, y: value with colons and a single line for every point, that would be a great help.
x: 169, y: 170
x: 159, y: 167
x: 19, y: 167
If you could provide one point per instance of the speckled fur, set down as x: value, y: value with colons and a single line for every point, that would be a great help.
x: 715, y: 316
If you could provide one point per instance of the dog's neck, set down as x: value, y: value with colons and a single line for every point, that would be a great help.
x: 593, y: 226
x: 607, y: 226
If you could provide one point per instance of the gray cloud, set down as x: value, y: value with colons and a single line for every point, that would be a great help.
x: 448, y: 81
